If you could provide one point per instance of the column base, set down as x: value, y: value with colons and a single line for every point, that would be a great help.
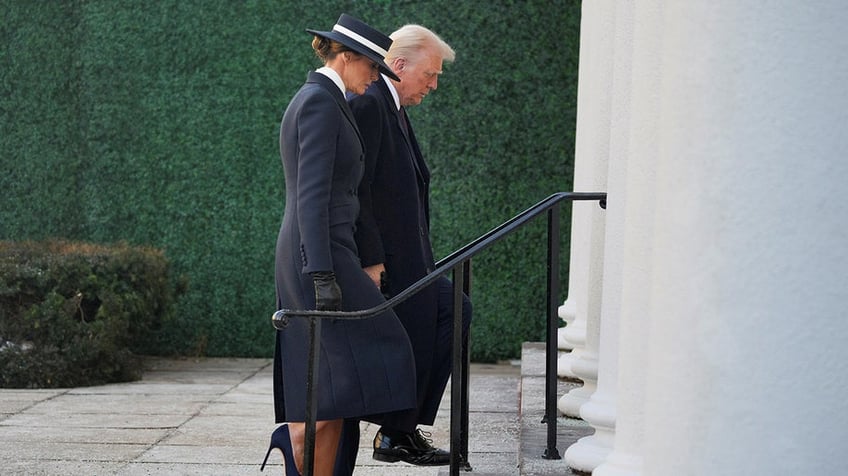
x: 562, y: 342
x: 570, y: 403
x: 620, y: 464
x: 567, y: 360
x: 589, y: 452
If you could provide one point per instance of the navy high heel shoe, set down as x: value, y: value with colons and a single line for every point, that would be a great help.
x: 281, y: 440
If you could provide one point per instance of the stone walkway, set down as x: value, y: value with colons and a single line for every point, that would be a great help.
x: 215, y: 417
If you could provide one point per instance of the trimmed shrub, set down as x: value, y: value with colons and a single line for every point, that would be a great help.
x: 75, y: 314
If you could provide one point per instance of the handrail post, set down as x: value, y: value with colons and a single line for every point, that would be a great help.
x: 551, y: 451
x: 456, y: 379
x: 466, y: 365
x: 311, y: 396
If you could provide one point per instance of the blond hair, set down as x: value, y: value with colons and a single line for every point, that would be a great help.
x: 410, y: 41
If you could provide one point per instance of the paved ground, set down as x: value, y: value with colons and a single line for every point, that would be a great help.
x: 215, y: 417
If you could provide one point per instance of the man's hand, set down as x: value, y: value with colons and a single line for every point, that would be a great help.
x: 328, y: 295
x: 375, y: 272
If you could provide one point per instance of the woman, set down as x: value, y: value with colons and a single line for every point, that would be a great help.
x: 366, y: 366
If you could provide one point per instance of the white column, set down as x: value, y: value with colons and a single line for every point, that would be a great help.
x: 586, y: 179
x: 567, y: 312
x: 748, y: 353
x: 573, y: 336
x: 600, y: 411
x: 626, y: 457
x: 591, y: 158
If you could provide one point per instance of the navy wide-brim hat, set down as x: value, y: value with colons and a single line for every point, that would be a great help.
x: 361, y: 38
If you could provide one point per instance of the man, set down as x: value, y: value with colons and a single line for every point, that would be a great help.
x: 393, y: 239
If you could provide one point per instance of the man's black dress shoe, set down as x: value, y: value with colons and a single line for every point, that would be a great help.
x: 413, y: 448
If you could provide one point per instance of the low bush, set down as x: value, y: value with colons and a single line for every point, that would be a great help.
x: 73, y: 314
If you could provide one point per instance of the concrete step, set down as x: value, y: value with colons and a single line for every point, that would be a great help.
x: 533, y: 437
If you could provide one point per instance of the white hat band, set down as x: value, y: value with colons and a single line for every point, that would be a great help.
x: 361, y: 39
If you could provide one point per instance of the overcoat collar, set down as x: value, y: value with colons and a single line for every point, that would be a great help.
x: 330, y: 86
x: 408, y: 134
x: 383, y: 87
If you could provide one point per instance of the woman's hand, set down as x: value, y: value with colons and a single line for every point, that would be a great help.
x: 328, y: 295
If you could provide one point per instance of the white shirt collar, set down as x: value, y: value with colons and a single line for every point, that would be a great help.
x: 332, y: 74
x: 392, y: 90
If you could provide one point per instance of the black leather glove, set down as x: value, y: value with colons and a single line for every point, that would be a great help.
x: 328, y: 295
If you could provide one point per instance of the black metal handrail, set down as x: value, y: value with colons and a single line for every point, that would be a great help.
x: 459, y: 263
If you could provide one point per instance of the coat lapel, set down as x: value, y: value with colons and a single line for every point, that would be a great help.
x: 328, y: 83
x: 417, y: 159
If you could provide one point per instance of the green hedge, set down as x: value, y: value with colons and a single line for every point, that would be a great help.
x: 76, y: 314
x: 157, y: 123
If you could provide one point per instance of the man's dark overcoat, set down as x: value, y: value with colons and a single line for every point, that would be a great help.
x: 366, y: 366
x: 393, y: 227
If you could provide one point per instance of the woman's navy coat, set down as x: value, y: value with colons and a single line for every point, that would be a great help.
x: 366, y: 366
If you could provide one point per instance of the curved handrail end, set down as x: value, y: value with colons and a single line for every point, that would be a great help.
x: 280, y: 319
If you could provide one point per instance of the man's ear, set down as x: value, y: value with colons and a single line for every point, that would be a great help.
x: 398, y: 64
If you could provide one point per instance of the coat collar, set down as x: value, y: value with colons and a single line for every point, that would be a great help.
x: 383, y: 87
x: 380, y: 89
x: 334, y: 90
x: 392, y: 90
